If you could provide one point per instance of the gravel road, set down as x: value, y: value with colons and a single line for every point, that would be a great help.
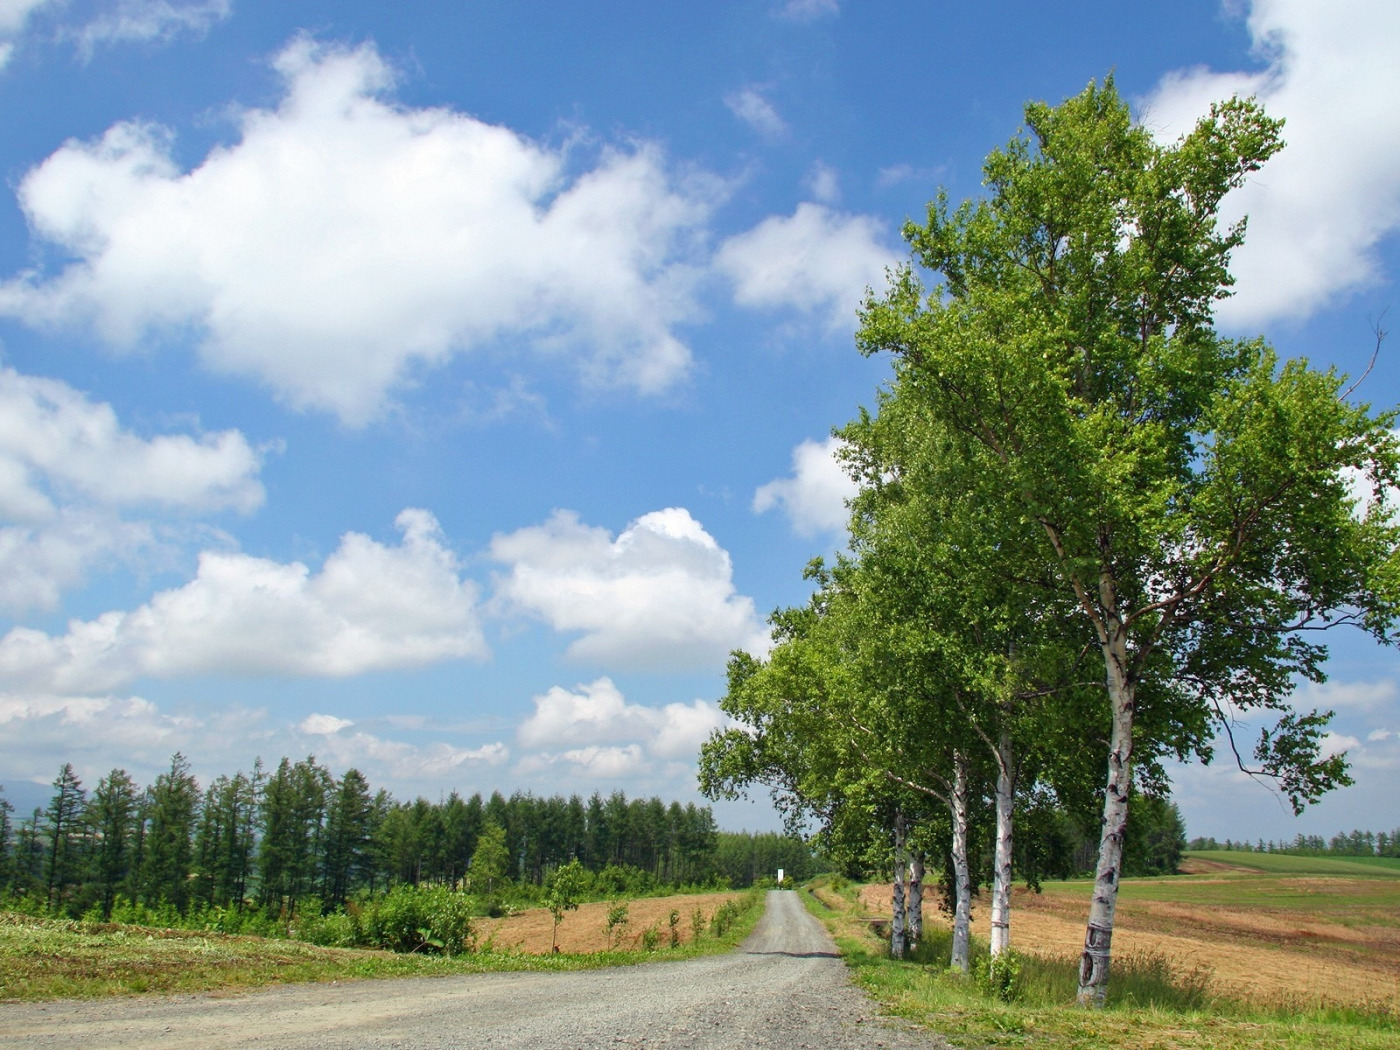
x: 784, y: 988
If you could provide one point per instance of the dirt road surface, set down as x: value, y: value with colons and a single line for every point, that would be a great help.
x: 785, y: 988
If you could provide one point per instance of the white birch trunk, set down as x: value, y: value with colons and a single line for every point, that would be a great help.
x: 1098, y: 936
x: 897, y: 935
x: 1001, y: 865
x: 914, y: 905
x: 962, y: 880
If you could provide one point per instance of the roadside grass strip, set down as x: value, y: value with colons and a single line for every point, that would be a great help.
x: 1155, y: 1004
x: 42, y: 959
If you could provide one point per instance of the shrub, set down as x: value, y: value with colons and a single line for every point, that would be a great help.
x: 424, y: 918
x: 1000, y: 974
x: 617, y: 918
x: 650, y: 936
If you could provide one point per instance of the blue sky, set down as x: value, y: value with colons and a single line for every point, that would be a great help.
x: 444, y: 390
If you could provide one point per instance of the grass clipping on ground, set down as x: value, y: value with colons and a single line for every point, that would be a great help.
x: 1338, y: 985
x: 56, y: 958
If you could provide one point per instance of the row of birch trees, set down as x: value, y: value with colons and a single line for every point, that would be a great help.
x: 1092, y: 534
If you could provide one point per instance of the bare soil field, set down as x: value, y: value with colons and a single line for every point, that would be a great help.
x: 1289, y: 939
x: 585, y: 930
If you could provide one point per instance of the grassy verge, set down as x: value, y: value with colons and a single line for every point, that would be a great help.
x: 1155, y: 1006
x: 56, y: 958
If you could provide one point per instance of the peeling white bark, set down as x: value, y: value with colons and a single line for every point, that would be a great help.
x: 962, y: 880
x: 1098, y: 936
x: 914, y: 904
x: 1001, y: 864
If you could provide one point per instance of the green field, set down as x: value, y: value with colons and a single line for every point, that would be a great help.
x: 1283, y: 863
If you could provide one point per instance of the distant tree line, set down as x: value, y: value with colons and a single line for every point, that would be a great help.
x: 269, y: 839
x: 1342, y: 844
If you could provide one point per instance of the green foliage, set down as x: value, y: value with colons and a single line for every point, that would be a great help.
x: 563, y: 891
x: 417, y: 919
x: 1156, y: 838
x: 1000, y: 974
x: 673, y: 921
x: 617, y: 919
x: 651, y: 936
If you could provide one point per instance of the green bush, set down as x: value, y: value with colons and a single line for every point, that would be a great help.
x: 428, y: 919
x: 1000, y: 975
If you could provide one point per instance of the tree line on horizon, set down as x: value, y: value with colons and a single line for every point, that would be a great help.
x: 1356, y: 843
x: 270, y: 840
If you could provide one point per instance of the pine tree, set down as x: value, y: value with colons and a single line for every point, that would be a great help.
x: 63, y: 832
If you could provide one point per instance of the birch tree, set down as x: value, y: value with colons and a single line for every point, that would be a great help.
x: 1184, y: 494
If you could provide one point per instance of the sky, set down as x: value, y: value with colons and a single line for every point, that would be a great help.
x: 446, y: 390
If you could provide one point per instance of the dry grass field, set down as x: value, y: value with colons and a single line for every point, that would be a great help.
x: 1269, y: 936
x: 585, y: 930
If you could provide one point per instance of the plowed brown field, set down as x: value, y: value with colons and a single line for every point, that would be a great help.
x: 585, y: 930
x: 1253, y: 953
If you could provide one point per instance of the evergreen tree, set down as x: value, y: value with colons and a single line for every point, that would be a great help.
x: 112, y: 817
x: 64, y: 839
x: 169, y: 851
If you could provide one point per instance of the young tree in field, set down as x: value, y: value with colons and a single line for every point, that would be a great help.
x: 563, y: 892
x: 1187, y: 494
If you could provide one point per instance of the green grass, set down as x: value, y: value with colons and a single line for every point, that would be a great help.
x: 1286, y: 864
x: 1155, y: 1005
x: 57, y: 958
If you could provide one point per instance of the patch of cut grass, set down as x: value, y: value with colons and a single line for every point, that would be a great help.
x: 62, y: 959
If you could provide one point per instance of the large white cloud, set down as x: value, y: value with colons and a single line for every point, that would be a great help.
x: 660, y: 594
x: 1317, y: 210
x: 344, y: 242
x: 70, y: 473
x: 597, y: 714
x: 816, y: 261
x: 814, y: 497
x: 371, y: 607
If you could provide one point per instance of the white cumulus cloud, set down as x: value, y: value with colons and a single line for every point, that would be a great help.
x: 345, y: 242
x: 660, y: 594
x: 598, y: 714
x: 815, y: 261
x: 814, y: 497
x: 1319, y: 209
x: 371, y: 607
x: 323, y: 725
x: 71, y: 477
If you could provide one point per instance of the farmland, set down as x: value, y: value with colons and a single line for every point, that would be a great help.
x: 1241, y: 950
